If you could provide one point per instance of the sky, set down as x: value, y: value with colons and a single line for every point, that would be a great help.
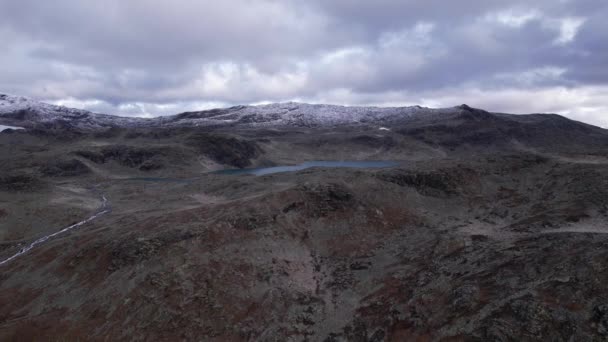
x: 150, y: 58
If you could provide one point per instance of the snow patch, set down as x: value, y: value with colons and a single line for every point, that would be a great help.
x: 3, y: 128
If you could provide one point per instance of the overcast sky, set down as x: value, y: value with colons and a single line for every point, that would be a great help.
x: 145, y: 57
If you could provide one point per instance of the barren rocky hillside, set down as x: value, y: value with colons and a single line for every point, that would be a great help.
x: 488, y: 227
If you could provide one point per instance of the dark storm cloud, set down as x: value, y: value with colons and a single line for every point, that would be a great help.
x: 155, y: 57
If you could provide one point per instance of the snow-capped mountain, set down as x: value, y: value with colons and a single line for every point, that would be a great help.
x: 28, y: 113
x: 24, y: 112
x: 11, y: 104
x: 297, y: 114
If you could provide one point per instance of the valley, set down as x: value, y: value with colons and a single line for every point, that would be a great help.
x: 477, y: 226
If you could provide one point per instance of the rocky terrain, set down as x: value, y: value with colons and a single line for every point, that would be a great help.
x: 491, y: 227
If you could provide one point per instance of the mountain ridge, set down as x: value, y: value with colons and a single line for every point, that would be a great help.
x: 27, y: 113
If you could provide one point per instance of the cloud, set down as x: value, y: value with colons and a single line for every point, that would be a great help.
x: 157, y: 57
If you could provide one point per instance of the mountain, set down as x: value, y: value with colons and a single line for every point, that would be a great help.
x: 24, y: 112
x: 447, y: 127
x: 298, y: 115
x: 475, y: 226
x: 29, y: 113
x: 470, y: 126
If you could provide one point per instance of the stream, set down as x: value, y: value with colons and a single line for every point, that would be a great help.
x: 104, y: 209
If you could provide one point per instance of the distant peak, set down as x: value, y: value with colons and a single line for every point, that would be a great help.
x: 465, y: 107
x: 469, y: 109
x: 471, y: 113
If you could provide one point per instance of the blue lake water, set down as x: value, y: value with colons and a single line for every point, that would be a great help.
x: 158, y: 179
x: 276, y: 169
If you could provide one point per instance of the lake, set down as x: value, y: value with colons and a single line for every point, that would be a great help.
x: 332, y: 164
x: 157, y: 179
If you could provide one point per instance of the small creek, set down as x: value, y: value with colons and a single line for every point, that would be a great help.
x: 104, y: 209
